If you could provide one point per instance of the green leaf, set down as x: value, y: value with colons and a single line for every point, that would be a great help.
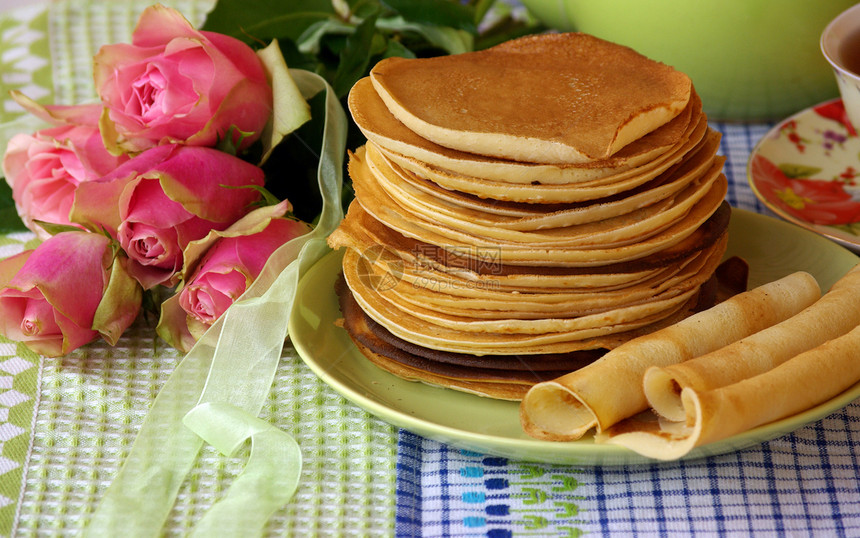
x: 482, y: 7
x: 310, y: 40
x: 264, y: 20
x: 396, y: 48
x: 267, y: 198
x: 355, y: 56
x: 795, y: 171
x: 53, y: 228
x: 436, y: 13
x: 9, y: 219
x: 444, y: 38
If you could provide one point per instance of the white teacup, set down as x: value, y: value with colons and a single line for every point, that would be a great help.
x: 840, y: 44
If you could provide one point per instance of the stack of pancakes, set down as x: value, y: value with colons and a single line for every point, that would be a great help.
x: 523, y: 209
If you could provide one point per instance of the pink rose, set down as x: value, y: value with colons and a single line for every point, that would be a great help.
x: 161, y: 200
x: 65, y: 293
x: 177, y: 84
x: 44, y: 169
x: 220, y: 268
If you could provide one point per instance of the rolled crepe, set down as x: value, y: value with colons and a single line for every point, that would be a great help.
x: 610, y: 389
x: 836, y: 313
x: 798, y: 384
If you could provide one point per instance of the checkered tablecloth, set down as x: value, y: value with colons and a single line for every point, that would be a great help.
x: 66, y: 424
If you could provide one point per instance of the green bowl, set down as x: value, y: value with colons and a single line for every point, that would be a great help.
x: 750, y: 60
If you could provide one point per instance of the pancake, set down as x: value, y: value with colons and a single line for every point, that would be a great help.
x: 568, y: 407
x: 503, y: 377
x: 796, y: 385
x: 483, y: 301
x: 522, y: 210
x: 376, y: 122
x: 499, y: 390
x: 429, y: 200
x: 831, y: 316
x: 579, y: 110
x: 509, y: 336
x: 362, y: 232
x: 642, y: 221
x: 588, y: 255
x: 540, y: 192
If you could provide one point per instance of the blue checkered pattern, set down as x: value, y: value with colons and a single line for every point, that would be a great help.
x: 803, y: 484
x: 736, y: 144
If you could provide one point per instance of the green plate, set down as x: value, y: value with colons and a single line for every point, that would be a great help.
x: 772, y: 248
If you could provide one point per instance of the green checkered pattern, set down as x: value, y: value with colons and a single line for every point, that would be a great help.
x: 67, y: 423
x: 26, y: 68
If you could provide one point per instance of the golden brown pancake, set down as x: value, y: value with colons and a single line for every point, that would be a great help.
x: 641, y: 221
x: 501, y: 367
x: 832, y: 315
x: 505, y: 335
x: 578, y: 110
x: 429, y: 200
x: 482, y: 300
x: 539, y: 192
x: 590, y: 255
x: 566, y: 408
x: 362, y: 232
x: 496, y: 376
x: 651, y: 151
x: 800, y: 383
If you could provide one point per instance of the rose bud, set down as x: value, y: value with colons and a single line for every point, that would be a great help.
x: 219, y: 268
x: 176, y: 84
x: 161, y: 200
x: 66, y: 292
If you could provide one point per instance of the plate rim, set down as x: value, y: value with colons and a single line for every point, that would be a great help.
x: 812, y: 227
x: 582, y: 452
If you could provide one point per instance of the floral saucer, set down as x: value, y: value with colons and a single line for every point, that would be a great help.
x: 807, y: 171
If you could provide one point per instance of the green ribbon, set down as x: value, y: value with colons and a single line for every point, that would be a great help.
x: 268, y: 481
x: 218, y: 389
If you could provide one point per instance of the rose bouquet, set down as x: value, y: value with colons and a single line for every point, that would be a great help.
x: 163, y: 162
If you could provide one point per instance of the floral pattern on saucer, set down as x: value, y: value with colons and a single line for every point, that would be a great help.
x: 807, y: 170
